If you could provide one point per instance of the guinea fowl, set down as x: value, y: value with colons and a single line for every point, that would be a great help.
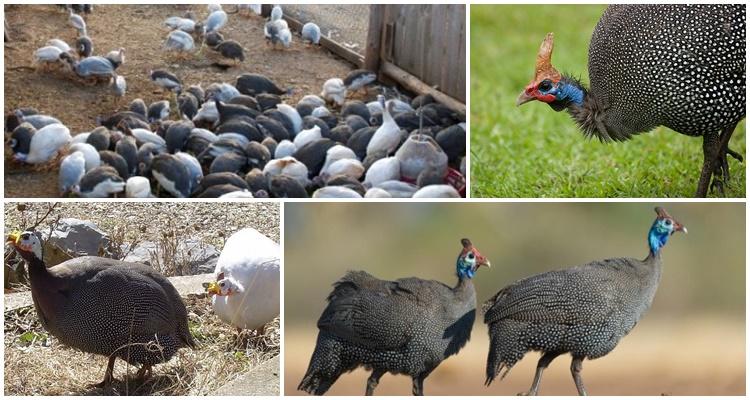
x: 105, y: 306
x: 246, y: 290
x: 408, y: 326
x: 583, y: 310
x: 680, y: 66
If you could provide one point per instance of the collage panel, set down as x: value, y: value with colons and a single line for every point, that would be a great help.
x: 621, y: 83
x: 178, y: 299
x: 410, y: 303
x: 178, y: 101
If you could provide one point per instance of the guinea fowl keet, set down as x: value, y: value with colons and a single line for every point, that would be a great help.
x: 107, y: 307
x: 408, y: 326
x: 583, y: 310
x: 679, y: 66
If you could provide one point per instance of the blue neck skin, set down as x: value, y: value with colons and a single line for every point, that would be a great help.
x: 464, y: 270
x: 568, y: 92
x: 657, y: 237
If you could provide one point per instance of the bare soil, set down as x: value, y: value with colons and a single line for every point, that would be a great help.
x: 658, y: 358
x: 139, y: 30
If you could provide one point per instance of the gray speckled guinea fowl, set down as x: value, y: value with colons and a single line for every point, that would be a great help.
x: 680, y: 66
x: 108, y: 307
x: 583, y: 310
x: 408, y: 326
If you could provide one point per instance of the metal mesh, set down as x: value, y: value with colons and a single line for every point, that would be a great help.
x: 345, y: 24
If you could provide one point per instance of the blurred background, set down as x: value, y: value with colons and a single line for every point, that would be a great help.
x: 533, y: 151
x: 691, y: 342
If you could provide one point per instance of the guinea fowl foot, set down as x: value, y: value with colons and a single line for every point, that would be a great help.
x: 144, y: 373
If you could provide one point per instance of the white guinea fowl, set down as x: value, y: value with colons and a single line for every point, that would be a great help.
x: 289, y: 166
x: 89, y: 152
x: 72, y: 169
x: 146, y: 136
x: 312, y: 100
x: 46, y: 143
x: 436, y: 191
x: 138, y: 187
x: 385, y: 169
x: 347, y: 167
x: 307, y: 136
x: 377, y: 193
x: 47, y: 54
x: 336, y: 153
x: 292, y: 114
x: 247, y: 287
x: 276, y: 13
x: 311, y: 33
x: 334, y: 90
x: 387, y: 137
x: 285, y: 148
x: 77, y: 22
x: 60, y: 44
x: 183, y: 24
x: 336, y: 192
x: 239, y: 194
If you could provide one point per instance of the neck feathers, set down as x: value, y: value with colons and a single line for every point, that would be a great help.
x: 657, y: 238
x: 589, y: 112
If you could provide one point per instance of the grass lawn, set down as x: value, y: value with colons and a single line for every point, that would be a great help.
x: 532, y: 151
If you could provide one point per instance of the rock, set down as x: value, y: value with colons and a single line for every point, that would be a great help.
x: 197, y: 257
x: 75, y: 238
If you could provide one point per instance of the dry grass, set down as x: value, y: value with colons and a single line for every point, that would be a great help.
x: 37, y: 364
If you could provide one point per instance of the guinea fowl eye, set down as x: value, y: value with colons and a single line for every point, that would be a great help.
x: 545, y: 85
x: 470, y: 256
x: 222, y: 284
x: 668, y: 222
x: 25, y: 236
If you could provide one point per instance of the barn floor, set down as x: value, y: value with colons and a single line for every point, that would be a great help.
x: 139, y: 30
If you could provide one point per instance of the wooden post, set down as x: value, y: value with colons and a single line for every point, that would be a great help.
x: 413, y: 83
x: 374, y: 37
x: 6, y: 36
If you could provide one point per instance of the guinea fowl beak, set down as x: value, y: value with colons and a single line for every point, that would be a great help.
x: 678, y: 227
x: 213, y: 288
x: 13, y: 237
x: 525, y: 97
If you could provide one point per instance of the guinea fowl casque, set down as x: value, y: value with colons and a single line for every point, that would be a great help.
x: 583, y: 310
x: 104, y: 306
x: 408, y: 326
x: 680, y: 66
x: 247, y: 288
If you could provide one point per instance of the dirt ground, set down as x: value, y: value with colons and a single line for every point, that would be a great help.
x: 657, y: 358
x: 139, y: 30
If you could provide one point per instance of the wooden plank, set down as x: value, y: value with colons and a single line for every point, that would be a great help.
x: 413, y: 83
x: 374, y: 32
x: 334, y: 47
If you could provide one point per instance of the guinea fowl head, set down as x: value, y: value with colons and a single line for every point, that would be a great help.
x: 549, y: 85
x: 27, y: 244
x: 224, y: 286
x: 663, y: 227
x: 469, y: 260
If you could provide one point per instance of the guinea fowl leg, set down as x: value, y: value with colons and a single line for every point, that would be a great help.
x: 373, y: 381
x: 417, y: 384
x: 108, y: 374
x: 710, y: 150
x: 543, y: 363
x: 721, y: 171
x: 144, y: 372
x: 575, y: 368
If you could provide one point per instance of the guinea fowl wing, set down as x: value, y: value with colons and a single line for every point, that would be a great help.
x: 373, y: 313
x: 557, y: 297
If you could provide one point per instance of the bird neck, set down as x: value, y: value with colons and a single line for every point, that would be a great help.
x: 464, y: 271
x: 570, y: 93
x: 657, y: 239
x: 38, y: 273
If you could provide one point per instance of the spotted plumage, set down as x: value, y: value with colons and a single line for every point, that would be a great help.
x: 679, y: 66
x: 408, y: 326
x: 583, y: 310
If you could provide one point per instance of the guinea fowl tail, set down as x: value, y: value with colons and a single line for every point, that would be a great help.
x: 325, y: 366
x: 506, y: 349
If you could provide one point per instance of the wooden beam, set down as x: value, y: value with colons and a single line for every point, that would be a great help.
x: 374, y: 34
x: 334, y: 47
x: 413, y: 83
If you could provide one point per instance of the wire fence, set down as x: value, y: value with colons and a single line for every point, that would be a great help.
x: 345, y: 24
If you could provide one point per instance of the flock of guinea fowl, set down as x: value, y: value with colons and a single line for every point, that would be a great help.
x: 241, y: 139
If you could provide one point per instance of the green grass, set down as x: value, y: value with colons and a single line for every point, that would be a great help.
x: 532, y: 151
